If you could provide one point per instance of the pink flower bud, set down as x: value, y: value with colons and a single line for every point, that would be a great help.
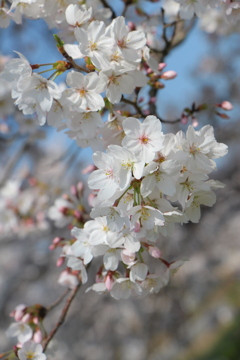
x: 226, y: 105
x: 154, y: 252
x: 60, y: 261
x: 26, y: 318
x: 18, y: 312
x: 194, y: 121
x: 74, y: 191
x: 137, y: 227
x: 56, y: 240
x: 169, y: 75
x: 149, y: 71
x: 161, y: 66
x: 37, y: 337
x: 131, y: 26
x: 35, y: 320
x: 184, y: 119
x: 80, y: 186
x: 77, y: 214
x: 63, y: 210
x: 109, y: 282
x: 52, y: 247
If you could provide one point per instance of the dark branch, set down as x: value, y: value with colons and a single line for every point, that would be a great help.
x: 62, y: 316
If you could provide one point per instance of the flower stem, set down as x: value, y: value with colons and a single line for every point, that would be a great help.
x: 42, y: 72
x: 54, y: 75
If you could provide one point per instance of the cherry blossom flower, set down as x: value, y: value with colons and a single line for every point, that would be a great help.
x: 143, y: 139
x: 83, y: 94
x: 94, y: 43
x: 20, y: 329
x: 31, y: 350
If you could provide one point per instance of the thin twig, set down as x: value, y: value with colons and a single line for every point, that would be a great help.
x: 71, y: 61
x: 62, y: 316
x: 58, y: 301
x: 5, y: 174
x: 134, y: 104
x: 168, y: 121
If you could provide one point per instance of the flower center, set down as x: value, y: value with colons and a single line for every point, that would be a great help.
x: 144, y: 139
x: 82, y: 92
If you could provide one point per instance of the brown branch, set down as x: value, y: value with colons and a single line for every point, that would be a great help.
x: 134, y: 104
x: 58, y: 301
x: 62, y: 316
x: 70, y: 60
x: 168, y: 121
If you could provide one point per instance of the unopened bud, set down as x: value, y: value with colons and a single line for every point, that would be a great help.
x: 131, y: 26
x: 169, y: 75
x: 184, y: 119
x: 221, y: 115
x: 109, y: 281
x: 161, y: 66
x: 226, y: 105
x: 37, y: 337
x: 154, y: 252
x: 194, y: 121
x: 74, y: 191
x: 149, y: 71
x: 56, y: 240
x: 77, y: 214
x: 25, y: 318
x: 60, y: 261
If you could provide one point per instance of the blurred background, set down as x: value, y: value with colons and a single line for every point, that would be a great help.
x: 195, y: 317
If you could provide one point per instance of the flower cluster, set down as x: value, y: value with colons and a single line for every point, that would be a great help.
x: 135, y: 185
x: 188, y: 8
x: 114, y: 53
x: 22, y: 208
x: 27, y: 329
x: 214, y: 12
